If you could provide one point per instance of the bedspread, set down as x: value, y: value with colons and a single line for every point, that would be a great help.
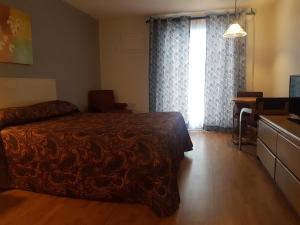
x: 110, y: 157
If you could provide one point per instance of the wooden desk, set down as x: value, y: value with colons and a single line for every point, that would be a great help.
x: 244, y: 100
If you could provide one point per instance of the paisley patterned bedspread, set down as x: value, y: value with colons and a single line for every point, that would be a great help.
x: 110, y: 157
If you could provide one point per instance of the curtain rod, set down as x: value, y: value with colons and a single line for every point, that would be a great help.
x: 252, y: 12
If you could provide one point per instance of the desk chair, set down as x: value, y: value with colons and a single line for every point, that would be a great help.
x: 264, y: 106
x: 237, y: 110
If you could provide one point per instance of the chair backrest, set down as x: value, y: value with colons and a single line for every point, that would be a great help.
x: 272, y: 106
x: 250, y: 94
x: 101, y: 100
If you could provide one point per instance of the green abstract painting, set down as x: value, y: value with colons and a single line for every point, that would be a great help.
x: 15, y: 36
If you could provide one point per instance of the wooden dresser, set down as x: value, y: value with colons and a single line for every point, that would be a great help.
x: 278, y: 148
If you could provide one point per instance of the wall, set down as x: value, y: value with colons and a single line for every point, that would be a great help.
x: 65, y: 47
x: 264, y: 49
x: 124, y: 60
x: 277, y: 48
x: 287, y: 57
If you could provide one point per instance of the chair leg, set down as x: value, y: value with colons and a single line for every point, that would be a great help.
x: 233, y: 127
x: 240, y: 132
x: 235, y: 130
x: 244, y: 110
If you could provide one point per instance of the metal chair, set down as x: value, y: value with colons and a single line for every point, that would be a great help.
x: 237, y: 110
x: 264, y: 106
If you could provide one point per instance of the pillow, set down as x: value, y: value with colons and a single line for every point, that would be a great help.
x: 27, y: 114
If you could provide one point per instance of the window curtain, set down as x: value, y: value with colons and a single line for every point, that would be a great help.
x: 225, y: 72
x: 169, y: 65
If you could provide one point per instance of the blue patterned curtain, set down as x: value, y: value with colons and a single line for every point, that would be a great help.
x: 169, y: 62
x: 225, y: 71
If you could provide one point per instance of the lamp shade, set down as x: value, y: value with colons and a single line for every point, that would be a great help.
x: 234, y: 31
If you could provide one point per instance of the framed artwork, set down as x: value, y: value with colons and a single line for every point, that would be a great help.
x: 15, y: 36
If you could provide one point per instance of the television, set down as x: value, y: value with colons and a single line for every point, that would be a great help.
x: 294, y: 90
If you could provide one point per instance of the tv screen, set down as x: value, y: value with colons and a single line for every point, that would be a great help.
x: 294, y: 103
x: 295, y: 86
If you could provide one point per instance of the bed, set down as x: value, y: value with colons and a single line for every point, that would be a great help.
x: 53, y: 148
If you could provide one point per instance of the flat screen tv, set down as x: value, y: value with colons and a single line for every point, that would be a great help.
x: 294, y: 104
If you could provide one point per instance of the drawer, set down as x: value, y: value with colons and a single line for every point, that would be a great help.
x: 268, y: 135
x: 289, y: 185
x: 266, y: 157
x: 289, y: 154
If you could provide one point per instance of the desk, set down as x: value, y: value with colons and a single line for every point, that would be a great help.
x: 244, y: 100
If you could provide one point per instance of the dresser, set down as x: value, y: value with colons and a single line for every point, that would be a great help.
x: 278, y: 148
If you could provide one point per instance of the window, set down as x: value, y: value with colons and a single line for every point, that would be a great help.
x: 197, y: 59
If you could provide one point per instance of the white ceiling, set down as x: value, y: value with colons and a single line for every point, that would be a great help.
x: 102, y: 8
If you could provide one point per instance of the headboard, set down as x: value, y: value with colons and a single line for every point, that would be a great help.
x: 25, y: 91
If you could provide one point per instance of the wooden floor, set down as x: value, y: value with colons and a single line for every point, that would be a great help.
x: 219, y: 186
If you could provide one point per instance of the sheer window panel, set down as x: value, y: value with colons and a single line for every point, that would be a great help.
x: 197, y: 59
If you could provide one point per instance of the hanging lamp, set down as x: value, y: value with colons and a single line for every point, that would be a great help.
x: 235, y: 30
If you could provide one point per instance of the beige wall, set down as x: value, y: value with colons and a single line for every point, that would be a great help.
x: 264, y: 49
x: 277, y: 47
x: 65, y: 48
x: 124, y: 60
x: 287, y: 33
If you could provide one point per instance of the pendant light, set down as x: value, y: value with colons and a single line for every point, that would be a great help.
x: 235, y: 30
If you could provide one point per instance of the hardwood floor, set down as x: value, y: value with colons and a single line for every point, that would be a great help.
x: 218, y: 185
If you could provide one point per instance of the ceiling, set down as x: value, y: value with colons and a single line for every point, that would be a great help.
x: 103, y: 8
